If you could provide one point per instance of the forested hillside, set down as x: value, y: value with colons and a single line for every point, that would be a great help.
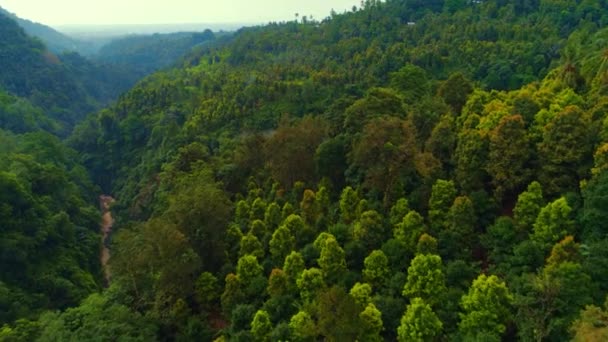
x: 412, y: 171
x: 57, y: 42
x: 142, y: 55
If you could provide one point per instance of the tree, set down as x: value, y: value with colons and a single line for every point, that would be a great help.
x: 592, y: 325
x: 595, y: 207
x: 443, y: 195
x: 278, y: 283
x: 385, y: 150
x: 459, y: 239
x: 233, y: 293
x: 369, y: 229
x: 425, y: 279
x: 200, y: 209
x: 455, y: 91
x: 419, y: 323
x: 281, y: 244
x: 302, y: 327
x: 426, y: 245
x: 412, y: 82
x: 258, y: 209
x: 376, y: 269
x: 308, y: 207
x: 97, y: 318
x: 261, y: 327
x: 565, y: 151
x: 553, y: 223
x: 409, y: 230
x: 338, y: 315
x: 372, y: 325
x: 250, y: 273
x: 486, y: 308
x: 332, y: 260
x: 349, y: 200
x: 470, y: 158
x: 442, y: 142
x: 361, y: 293
x: 250, y: 245
x: 272, y: 216
x: 310, y: 282
x: 290, y: 151
x: 398, y: 211
x: 508, y: 156
x: 528, y: 206
x: 206, y: 289
x: 293, y: 266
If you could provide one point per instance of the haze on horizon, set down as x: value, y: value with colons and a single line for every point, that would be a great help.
x: 145, y: 12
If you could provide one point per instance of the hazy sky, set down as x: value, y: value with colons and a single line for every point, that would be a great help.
x: 77, y: 12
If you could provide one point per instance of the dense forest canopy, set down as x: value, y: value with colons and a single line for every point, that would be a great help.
x: 407, y: 170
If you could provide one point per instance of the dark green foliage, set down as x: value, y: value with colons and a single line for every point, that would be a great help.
x: 351, y: 148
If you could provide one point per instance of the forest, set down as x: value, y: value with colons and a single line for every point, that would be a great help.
x: 403, y: 171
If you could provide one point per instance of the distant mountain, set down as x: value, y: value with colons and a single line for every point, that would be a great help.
x: 145, y: 54
x: 54, y: 40
x: 66, y: 86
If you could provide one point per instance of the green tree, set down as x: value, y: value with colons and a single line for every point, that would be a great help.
x: 592, y: 325
x: 338, y: 315
x: 443, y: 195
x: 385, y: 150
x: 419, y: 323
x: 310, y: 282
x: 206, y: 289
x: 508, y: 156
x: 455, y: 91
x: 272, y: 216
x: 553, y: 223
x: 302, y: 327
x: 258, y: 209
x: 487, y: 308
x: 293, y: 266
x: 278, y: 283
x: 281, y: 244
x: 425, y: 279
x: 308, y: 207
x: 528, y: 206
x: 376, y: 270
x: 372, y: 325
x: 201, y: 210
x: 233, y: 293
x: 370, y: 229
x: 409, y: 230
x: 361, y: 293
x: 412, y: 82
x: 470, y: 158
x: 398, y: 211
x: 250, y: 245
x: 349, y: 200
x: 565, y: 151
x: 332, y: 260
x: 459, y: 239
x: 250, y: 273
x: 261, y: 327
x: 426, y: 245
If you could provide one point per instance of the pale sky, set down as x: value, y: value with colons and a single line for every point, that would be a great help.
x: 113, y: 12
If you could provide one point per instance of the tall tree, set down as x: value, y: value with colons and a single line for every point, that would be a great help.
x: 487, y: 308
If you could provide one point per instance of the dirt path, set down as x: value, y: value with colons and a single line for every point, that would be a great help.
x: 106, y: 228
